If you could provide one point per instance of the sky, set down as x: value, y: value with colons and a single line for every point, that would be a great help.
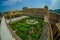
x: 6, y: 5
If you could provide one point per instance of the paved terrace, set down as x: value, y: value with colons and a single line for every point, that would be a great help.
x: 0, y: 30
x: 5, y: 33
x: 18, y: 18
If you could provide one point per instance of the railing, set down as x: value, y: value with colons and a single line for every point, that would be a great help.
x: 46, y: 33
x: 47, y: 30
x: 13, y: 33
x: 43, y: 36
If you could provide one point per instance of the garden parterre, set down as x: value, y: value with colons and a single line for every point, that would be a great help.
x: 28, y: 31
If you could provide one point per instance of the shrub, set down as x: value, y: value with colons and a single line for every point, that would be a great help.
x: 34, y: 36
x: 24, y: 36
x: 22, y: 28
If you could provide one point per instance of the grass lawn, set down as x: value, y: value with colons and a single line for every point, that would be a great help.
x: 28, y: 31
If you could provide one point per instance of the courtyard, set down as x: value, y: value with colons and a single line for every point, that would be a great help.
x: 29, y: 28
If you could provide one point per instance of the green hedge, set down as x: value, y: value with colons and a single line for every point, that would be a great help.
x: 22, y: 28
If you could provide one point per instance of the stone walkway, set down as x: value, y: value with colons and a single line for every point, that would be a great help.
x: 0, y: 31
x: 5, y: 33
x: 18, y: 18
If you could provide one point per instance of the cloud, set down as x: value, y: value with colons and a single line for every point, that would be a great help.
x: 10, y: 2
x: 55, y: 4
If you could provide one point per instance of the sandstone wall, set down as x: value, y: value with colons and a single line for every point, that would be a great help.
x: 38, y: 12
x: 59, y: 19
x: 53, y: 17
x: 41, y: 14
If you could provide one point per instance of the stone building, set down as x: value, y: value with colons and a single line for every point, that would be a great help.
x: 39, y: 12
x: 55, y: 25
x: 51, y: 31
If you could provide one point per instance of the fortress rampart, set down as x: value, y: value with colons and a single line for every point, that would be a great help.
x: 49, y: 18
x: 38, y: 12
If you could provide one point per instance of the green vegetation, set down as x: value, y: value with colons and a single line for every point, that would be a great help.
x: 0, y: 14
x: 56, y: 11
x: 28, y: 31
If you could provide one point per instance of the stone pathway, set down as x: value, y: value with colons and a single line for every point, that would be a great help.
x: 5, y: 33
x: 18, y: 18
x: 0, y: 31
x: 0, y: 28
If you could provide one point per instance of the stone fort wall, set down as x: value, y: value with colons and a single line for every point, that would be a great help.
x: 37, y: 12
x: 53, y: 17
